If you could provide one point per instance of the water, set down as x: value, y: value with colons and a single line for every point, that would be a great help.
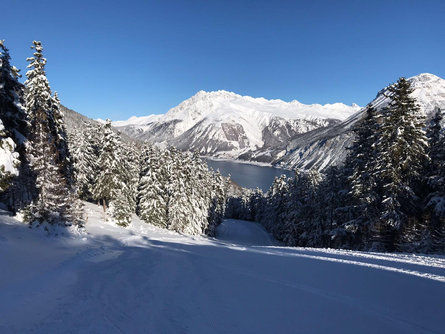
x: 248, y: 176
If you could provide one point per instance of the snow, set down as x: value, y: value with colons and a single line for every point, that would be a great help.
x: 8, y: 157
x: 142, y: 279
x: 327, y: 146
x: 227, y: 107
x: 222, y: 121
x: 217, y: 104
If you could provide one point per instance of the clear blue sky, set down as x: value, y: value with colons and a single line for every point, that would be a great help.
x: 121, y: 58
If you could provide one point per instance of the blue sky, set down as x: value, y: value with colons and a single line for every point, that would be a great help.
x: 121, y: 58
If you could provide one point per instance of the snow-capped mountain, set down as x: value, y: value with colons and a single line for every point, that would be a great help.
x: 327, y: 146
x: 225, y: 124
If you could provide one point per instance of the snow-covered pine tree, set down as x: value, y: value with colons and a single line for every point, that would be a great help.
x: 435, y: 200
x: 84, y: 148
x: 130, y: 154
x: 309, y: 232
x: 361, y: 169
x: 199, y: 192
x: 110, y: 183
x: 179, y: 208
x: 217, y: 202
x: 9, y: 161
x: 401, y: 156
x: 11, y: 111
x: 108, y: 179
x: 435, y: 136
x: 362, y: 158
x: 21, y: 190
x: 275, y: 203
x: 152, y: 190
x: 55, y: 202
x: 120, y: 209
x: 64, y: 158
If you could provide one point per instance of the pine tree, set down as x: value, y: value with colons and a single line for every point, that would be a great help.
x: 401, y: 157
x: 9, y: 161
x: 178, y: 201
x: 177, y: 192
x: 217, y: 202
x: 85, y: 156
x: 362, y: 158
x: 276, y: 201
x: 111, y: 186
x: 11, y: 111
x: 152, y: 190
x: 55, y: 202
x: 108, y: 180
x: 364, y: 194
x: 21, y: 189
x: 64, y: 158
x: 130, y: 168
x: 435, y: 137
x: 435, y: 199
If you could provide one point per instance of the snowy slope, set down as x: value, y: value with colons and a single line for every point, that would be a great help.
x: 324, y: 147
x: 226, y: 124
x: 146, y: 280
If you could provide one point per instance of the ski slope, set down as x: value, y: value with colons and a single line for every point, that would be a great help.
x: 146, y: 280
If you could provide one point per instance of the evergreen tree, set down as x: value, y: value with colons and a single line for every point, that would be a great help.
x: 401, y: 156
x: 362, y: 158
x: 54, y: 203
x: 178, y: 201
x: 435, y: 200
x: 435, y: 139
x: 84, y: 146
x: 64, y: 158
x: 9, y: 161
x: 152, y: 190
x: 21, y: 188
x: 110, y: 187
x: 108, y: 180
x: 130, y: 168
x: 11, y: 111
x: 217, y: 202
x: 177, y: 191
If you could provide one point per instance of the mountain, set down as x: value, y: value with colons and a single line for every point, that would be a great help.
x: 228, y: 125
x: 324, y: 147
x: 78, y: 122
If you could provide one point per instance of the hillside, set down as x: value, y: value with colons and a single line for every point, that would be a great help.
x: 321, y: 148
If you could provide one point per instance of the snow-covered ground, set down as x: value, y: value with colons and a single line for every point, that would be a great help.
x: 146, y: 280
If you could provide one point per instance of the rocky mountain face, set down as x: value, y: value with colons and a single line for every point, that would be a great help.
x: 324, y: 147
x: 226, y: 125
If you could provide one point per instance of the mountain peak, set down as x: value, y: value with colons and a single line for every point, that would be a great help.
x: 424, y: 77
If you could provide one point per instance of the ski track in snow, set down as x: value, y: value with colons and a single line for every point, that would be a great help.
x: 146, y: 280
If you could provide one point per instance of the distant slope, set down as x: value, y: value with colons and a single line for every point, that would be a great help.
x: 225, y: 124
x: 77, y: 122
x: 321, y: 148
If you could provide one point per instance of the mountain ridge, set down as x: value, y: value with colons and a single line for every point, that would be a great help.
x: 228, y: 125
x: 322, y: 148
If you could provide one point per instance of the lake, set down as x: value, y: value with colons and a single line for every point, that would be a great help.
x: 247, y: 175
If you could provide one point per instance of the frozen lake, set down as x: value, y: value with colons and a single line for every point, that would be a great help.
x: 247, y: 175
